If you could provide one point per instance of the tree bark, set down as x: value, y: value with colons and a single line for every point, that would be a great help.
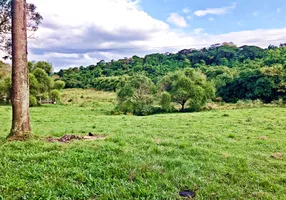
x: 21, y: 128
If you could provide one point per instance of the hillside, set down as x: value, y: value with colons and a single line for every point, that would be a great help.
x: 246, y: 72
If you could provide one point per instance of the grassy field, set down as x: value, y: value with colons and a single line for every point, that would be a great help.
x: 219, y: 154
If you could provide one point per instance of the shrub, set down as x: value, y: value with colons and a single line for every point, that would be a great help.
x: 55, y: 95
x: 142, y: 109
x: 59, y: 85
x: 278, y: 102
x: 125, y: 107
x: 258, y: 103
x: 33, y: 101
x: 166, y: 102
x: 136, y: 96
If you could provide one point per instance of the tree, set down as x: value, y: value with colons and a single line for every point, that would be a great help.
x: 20, y: 84
x: 44, y: 81
x: 47, y: 67
x: 188, y: 86
x: 34, y: 19
x: 136, y: 96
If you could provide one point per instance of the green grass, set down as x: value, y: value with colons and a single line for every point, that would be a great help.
x: 220, y: 154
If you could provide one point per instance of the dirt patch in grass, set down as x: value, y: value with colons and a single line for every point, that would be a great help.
x: 226, y: 155
x: 263, y: 137
x: 277, y: 155
x: 70, y: 138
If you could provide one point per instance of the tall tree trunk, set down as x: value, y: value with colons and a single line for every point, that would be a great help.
x: 20, y: 83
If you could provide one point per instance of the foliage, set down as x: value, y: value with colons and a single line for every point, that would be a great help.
x: 59, y: 85
x: 188, y: 86
x: 225, y: 64
x: 33, y: 101
x: 44, y: 81
x: 47, y: 67
x: 5, y: 89
x: 5, y: 82
x: 109, y: 83
x: 165, y: 102
x: 55, y: 95
x: 266, y: 83
x: 33, y: 84
x: 41, y: 84
x: 136, y: 96
x: 34, y: 19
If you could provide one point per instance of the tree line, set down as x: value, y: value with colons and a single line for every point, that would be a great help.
x: 246, y: 72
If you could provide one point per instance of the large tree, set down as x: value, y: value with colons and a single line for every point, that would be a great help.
x: 188, y: 86
x: 34, y: 19
x: 20, y: 83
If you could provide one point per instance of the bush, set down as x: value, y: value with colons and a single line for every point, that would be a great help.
x: 249, y: 103
x: 195, y: 105
x: 33, y: 101
x: 59, y: 85
x: 142, y: 109
x: 55, y: 95
x: 258, y: 103
x: 125, y: 107
x: 165, y: 102
x: 278, y: 102
x: 136, y: 96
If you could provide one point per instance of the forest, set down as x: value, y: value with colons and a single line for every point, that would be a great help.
x: 236, y: 73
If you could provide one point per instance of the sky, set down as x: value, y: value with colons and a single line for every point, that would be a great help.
x: 79, y: 33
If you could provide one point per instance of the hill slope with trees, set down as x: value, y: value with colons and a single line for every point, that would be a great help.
x: 246, y: 72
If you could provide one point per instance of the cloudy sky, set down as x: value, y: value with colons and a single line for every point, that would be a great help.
x: 76, y: 33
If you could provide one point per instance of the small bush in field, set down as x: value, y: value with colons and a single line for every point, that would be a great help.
x: 55, y: 95
x: 166, y: 101
x: 278, y: 102
x: 258, y: 103
x: 33, y: 101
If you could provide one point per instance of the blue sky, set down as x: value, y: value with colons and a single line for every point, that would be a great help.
x: 245, y: 15
x: 76, y: 33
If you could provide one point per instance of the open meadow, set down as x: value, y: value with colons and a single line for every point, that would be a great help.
x: 218, y: 154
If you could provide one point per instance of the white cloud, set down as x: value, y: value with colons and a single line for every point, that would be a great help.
x: 198, y: 30
x: 214, y: 11
x: 186, y: 10
x: 177, y: 20
x: 211, y: 19
x: 76, y: 34
x: 259, y: 37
